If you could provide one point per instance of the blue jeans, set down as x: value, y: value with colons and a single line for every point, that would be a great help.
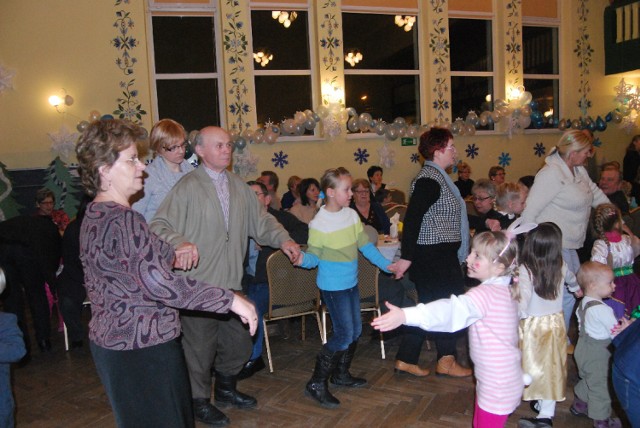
x: 259, y: 294
x: 628, y: 394
x: 344, y: 309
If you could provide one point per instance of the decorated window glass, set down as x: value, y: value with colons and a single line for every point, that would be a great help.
x: 472, y: 86
x: 381, y: 66
x: 185, y: 75
x: 541, y: 75
x: 281, y: 64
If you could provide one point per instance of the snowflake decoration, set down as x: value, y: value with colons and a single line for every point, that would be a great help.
x: 361, y: 156
x: 387, y: 156
x: 504, y: 159
x: 415, y: 158
x: 280, y: 159
x: 597, y: 142
x: 245, y: 163
x: 472, y: 151
x: 6, y: 76
x: 539, y: 149
x: 64, y: 142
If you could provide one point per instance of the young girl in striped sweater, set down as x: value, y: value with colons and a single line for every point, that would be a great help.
x: 335, y: 236
x: 490, y: 310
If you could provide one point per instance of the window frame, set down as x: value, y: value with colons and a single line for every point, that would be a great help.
x: 154, y: 77
x: 313, y: 71
x: 485, y: 16
x: 418, y: 72
x: 546, y: 23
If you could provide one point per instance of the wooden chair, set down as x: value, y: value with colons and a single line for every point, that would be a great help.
x: 368, y: 288
x: 400, y: 209
x: 398, y: 196
x: 292, y: 293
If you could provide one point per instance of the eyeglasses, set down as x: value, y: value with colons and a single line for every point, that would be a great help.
x: 261, y: 193
x: 479, y: 199
x: 182, y: 146
x: 451, y: 147
x: 361, y: 192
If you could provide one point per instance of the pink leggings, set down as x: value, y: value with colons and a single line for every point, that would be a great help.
x: 484, y: 419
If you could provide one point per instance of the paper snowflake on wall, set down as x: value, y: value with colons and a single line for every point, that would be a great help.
x: 539, y: 150
x: 64, y: 142
x: 504, y: 159
x: 6, y: 77
x: 415, y: 158
x: 361, y: 156
x: 472, y: 151
x: 387, y: 156
x: 280, y: 159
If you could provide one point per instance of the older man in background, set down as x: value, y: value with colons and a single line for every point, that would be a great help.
x: 611, y: 185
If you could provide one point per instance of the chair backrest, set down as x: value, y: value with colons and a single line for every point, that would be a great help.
x: 372, y: 233
x: 292, y: 290
x: 634, y: 215
x: 367, y: 283
x: 400, y: 209
x: 471, y: 209
x: 398, y: 196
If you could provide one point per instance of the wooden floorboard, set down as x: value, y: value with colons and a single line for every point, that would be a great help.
x: 62, y: 389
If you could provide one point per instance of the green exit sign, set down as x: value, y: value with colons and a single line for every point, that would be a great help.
x: 408, y: 141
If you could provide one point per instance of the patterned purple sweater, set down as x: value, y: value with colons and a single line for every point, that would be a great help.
x: 129, y: 281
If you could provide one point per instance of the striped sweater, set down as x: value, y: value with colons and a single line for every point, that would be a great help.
x: 334, y: 241
x: 492, y: 316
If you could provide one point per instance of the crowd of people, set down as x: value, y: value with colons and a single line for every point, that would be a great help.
x: 173, y: 261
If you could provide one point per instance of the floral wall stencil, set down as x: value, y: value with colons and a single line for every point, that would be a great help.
x: 513, y: 44
x: 439, y: 56
x: 238, y: 64
x: 584, y: 52
x: 129, y: 107
x: 330, y: 51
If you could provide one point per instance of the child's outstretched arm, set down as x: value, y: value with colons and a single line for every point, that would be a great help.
x: 373, y: 255
x: 391, y: 320
x: 307, y: 260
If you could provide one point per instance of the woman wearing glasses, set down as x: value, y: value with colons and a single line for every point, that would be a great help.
x: 370, y: 212
x: 484, y: 199
x: 168, y: 142
x: 563, y: 193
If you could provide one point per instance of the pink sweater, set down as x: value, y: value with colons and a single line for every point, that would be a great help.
x: 493, y: 343
x: 492, y: 318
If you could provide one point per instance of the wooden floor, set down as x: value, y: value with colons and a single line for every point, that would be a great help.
x: 62, y: 389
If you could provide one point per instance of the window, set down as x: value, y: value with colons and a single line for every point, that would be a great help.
x: 471, y: 67
x: 185, y: 74
x: 283, y: 83
x: 386, y: 81
x: 541, y: 76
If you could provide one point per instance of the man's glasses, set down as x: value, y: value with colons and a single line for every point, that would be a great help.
x: 182, y: 146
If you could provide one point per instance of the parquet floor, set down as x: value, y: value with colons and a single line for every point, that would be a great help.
x: 62, y: 389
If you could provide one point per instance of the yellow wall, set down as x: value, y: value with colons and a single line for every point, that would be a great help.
x: 66, y: 44
x: 54, y: 45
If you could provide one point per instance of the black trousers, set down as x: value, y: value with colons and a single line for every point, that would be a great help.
x: 147, y: 387
x: 437, y: 275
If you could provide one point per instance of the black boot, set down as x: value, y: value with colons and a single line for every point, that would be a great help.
x: 204, y: 412
x: 225, y: 393
x: 341, y: 375
x: 318, y: 386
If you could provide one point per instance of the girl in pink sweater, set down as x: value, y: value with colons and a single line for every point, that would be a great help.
x: 490, y: 310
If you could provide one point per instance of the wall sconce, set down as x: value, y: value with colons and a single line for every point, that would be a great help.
x: 61, y: 101
x: 353, y: 57
x: 284, y: 17
x: 405, y: 21
x: 263, y: 57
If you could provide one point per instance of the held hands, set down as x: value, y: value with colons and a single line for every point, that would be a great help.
x: 399, y: 268
x: 392, y: 319
x: 186, y: 256
x: 246, y: 311
x: 579, y: 294
x: 292, y: 250
x: 492, y: 224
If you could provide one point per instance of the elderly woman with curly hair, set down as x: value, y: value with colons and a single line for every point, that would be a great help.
x: 134, y: 293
